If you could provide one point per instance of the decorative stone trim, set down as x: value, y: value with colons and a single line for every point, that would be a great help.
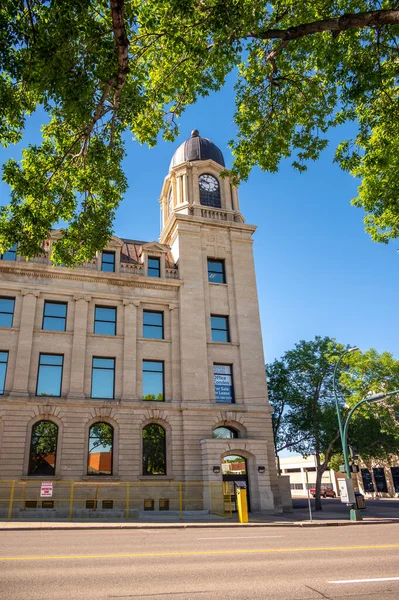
x: 28, y: 292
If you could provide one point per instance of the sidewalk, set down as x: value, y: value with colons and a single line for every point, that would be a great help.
x: 296, y: 519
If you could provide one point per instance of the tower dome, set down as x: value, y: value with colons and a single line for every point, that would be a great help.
x: 196, y: 148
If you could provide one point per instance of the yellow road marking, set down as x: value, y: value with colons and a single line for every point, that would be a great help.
x: 197, y: 553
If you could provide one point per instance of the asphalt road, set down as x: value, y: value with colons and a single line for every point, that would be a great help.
x: 279, y: 563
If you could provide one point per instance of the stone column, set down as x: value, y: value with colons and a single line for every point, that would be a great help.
x: 25, y: 338
x: 175, y: 351
x: 78, y: 359
x: 129, y: 381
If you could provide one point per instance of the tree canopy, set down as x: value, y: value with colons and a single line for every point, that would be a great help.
x: 101, y: 68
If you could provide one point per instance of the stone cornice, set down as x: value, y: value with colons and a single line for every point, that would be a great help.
x: 35, y: 271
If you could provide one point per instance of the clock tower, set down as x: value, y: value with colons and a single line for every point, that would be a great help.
x: 198, y: 184
x: 221, y: 363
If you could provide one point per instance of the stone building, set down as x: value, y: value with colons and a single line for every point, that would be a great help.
x: 146, y: 364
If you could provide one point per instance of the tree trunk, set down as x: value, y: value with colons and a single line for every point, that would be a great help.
x: 319, y: 475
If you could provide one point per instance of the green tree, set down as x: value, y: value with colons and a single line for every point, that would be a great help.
x: 374, y: 428
x: 101, y: 68
x: 308, y: 419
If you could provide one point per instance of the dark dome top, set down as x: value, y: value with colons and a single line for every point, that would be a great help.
x: 196, y: 148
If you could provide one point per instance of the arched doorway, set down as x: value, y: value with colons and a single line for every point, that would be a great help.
x: 234, y: 468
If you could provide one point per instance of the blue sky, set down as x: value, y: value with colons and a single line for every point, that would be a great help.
x: 318, y: 272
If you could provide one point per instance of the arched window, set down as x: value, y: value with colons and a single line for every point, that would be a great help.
x: 209, y: 189
x: 224, y: 432
x: 43, y: 449
x: 154, y: 450
x: 101, y: 442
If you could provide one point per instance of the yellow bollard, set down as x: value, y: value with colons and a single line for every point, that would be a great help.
x: 242, y: 505
x: 11, y: 500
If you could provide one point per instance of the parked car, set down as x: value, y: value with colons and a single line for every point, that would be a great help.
x: 325, y: 493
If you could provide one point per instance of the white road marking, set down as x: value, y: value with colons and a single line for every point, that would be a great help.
x: 366, y: 580
x: 240, y: 537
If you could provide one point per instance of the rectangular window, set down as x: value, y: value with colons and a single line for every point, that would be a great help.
x: 153, y: 325
x: 223, y: 381
x: 3, y: 370
x: 105, y: 320
x: 380, y: 480
x: 6, y: 311
x: 296, y: 470
x: 367, y: 480
x: 11, y: 254
x: 153, y: 380
x: 154, y: 267
x: 54, y: 316
x: 103, y: 378
x: 220, y: 329
x: 49, y: 377
x: 216, y: 273
x: 108, y: 261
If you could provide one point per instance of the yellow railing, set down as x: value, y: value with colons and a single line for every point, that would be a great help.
x: 127, y: 499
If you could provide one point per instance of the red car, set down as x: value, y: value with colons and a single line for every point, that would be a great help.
x: 324, y: 493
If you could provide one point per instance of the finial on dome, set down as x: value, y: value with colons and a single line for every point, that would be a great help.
x: 195, y: 133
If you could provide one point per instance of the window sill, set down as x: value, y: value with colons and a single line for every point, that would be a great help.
x: 223, y: 343
x: 52, y: 331
x: 105, y: 335
x: 99, y: 478
x: 41, y: 478
x: 142, y: 339
x: 155, y: 478
x: 219, y: 284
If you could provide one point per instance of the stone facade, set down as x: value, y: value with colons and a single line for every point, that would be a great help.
x: 192, y: 233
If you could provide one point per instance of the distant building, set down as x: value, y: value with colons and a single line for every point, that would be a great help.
x: 302, y: 474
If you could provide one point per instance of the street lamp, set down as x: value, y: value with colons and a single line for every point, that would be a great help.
x: 341, y: 430
x: 354, y: 513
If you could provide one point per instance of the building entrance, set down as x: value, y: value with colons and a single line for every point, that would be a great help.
x: 234, y: 468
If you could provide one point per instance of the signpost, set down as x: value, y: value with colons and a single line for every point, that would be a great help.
x: 46, y: 489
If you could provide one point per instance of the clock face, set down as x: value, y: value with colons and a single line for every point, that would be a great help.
x: 209, y: 183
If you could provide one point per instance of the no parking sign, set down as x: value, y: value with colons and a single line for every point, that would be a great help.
x: 46, y: 489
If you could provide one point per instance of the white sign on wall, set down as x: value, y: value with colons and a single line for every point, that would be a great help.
x: 46, y: 489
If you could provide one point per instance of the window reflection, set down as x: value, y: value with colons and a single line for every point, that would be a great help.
x: 6, y: 311
x: 224, y: 432
x: 103, y: 378
x: 108, y: 261
x: 54, y: 316
x: 153, y: 380
x: 3, y: 370
x: 101, y: 441
x: 105, y: 320
x: 154, y: 450
x: 43, y: 449
x: 50, y: 375
x: 154, y: 267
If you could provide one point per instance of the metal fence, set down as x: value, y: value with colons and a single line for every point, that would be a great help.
x: 123, y: 500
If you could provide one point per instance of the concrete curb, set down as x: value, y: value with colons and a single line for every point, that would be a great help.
x: 85, y: 527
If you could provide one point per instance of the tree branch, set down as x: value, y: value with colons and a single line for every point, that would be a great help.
x: 122, y: 46
x: 348, y: 21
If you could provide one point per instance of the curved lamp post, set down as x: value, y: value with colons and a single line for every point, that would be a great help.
x: 341, y: 429
x: 369, y: 400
